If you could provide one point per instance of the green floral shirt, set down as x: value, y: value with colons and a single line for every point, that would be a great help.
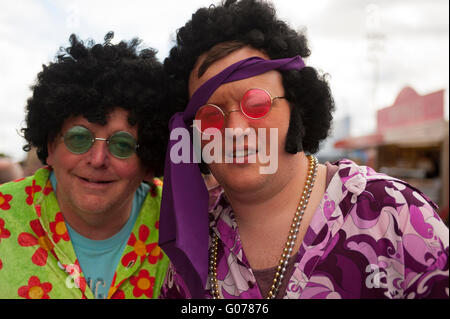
x: 37, y: 260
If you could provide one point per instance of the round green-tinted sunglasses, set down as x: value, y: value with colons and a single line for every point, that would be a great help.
x: 79, y: 140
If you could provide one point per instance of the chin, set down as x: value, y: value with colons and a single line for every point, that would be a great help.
x: 239, y: 178
x: 92, y: 209
x: 92, y: 205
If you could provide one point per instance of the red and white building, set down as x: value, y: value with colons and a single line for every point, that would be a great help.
x: 411, y: 142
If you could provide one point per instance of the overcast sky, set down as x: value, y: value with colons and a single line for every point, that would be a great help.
x: 410, y: 45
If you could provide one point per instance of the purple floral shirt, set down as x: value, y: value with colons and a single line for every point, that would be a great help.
x: 372, y: 236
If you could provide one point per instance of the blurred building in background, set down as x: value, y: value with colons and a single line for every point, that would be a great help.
x: 411, y: 143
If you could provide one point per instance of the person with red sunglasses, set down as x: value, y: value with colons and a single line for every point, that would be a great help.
x: 307, y: 230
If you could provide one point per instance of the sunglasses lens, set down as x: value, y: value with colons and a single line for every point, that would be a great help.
x: 78, y: 140
x: 210, y: 116
x: 122, y: 144
x: 256, y: 103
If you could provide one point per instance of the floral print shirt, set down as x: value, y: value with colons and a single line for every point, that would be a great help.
x: 37, y: 260
x: 372, y: 236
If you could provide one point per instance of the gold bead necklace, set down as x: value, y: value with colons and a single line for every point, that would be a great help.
x: 290, y: 243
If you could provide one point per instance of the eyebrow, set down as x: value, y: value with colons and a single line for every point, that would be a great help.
x: 239, y: 99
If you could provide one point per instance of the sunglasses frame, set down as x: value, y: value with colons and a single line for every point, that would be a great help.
x: 93, y: 139
x: 225, y: 114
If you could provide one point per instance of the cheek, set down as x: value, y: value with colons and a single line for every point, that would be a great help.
x: 212, y: 142
x: 219, y: 171
x: 131, y: 171
x: 59, y: 158
x: 282, y: 135
x: 275, y: 130
x: 282, y: 121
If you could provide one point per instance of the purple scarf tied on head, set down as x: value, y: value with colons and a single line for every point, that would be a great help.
x: 184, y: 223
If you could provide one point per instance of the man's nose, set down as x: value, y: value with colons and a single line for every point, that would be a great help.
x: 237, y: 128
x: 236, y: 119
x: 99, y: 154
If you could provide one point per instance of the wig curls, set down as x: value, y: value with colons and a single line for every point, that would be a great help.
x: 254, y: 23
x: 91, y: 79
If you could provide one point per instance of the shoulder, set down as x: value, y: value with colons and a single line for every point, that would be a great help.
x: 359, y: 180
x: 399, y: 222
x: 378, y: 200
x: 23, y: 193
x: 151, y: 193
x: 14, y: 192
x: 148, y: 196
x: 155, y: 187
x: 368, y: 197
x: 174, y: 286
x: 14, y: 185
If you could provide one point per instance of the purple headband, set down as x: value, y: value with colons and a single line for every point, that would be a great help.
x: 184, y: 223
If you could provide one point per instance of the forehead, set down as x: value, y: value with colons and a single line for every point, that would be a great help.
x: 116, y: 120
x: 218, y: 66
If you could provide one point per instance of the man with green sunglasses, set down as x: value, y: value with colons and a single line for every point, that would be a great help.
x: 87, y: 224
x: 79, y: 140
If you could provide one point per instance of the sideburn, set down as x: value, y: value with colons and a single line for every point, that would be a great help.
x: 295, y: 133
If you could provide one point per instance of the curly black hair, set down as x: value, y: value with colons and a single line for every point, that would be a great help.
x: 254, y: 23
x: 91, y: 79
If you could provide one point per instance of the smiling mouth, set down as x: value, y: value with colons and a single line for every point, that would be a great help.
x: 95, y: 180
x: 243, y: 153
x: 240, y: 154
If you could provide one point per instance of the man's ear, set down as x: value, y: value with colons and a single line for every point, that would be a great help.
x: 51, y: 152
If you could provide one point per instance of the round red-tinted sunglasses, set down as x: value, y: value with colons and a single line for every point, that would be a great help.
x: 255, y: 104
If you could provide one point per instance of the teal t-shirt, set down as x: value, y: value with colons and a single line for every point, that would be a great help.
x: 99, y: 258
